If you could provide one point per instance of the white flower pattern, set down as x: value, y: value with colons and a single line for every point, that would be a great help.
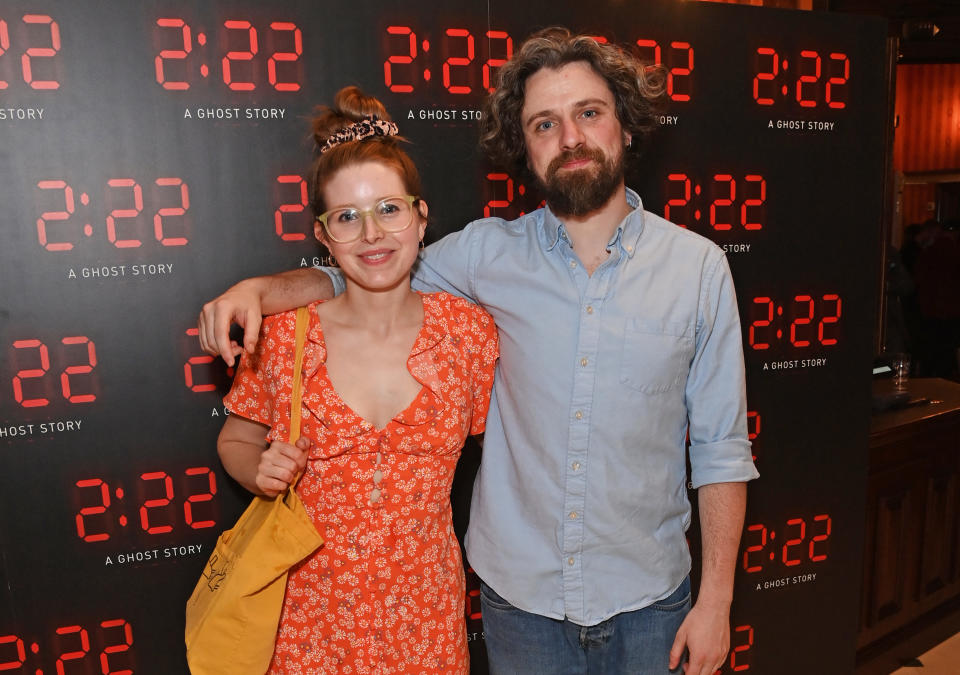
x: 385, y: 593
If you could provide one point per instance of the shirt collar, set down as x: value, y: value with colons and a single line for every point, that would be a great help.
x: 628, y: 232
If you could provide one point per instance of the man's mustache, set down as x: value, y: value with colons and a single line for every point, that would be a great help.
x: 573, y: 156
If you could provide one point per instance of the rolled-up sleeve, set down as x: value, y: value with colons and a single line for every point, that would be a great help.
x: 336, y: 278
x: 716, y: 386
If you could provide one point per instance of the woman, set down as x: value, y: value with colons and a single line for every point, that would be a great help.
x: 393, y: 383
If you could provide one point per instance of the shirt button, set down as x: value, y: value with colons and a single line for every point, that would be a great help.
x: 583, y: 361
x: 589, y: 309
x: 573, y: 515
x: 572, y: 264
x: 570, y: 561
x: 578, y: 415
x: 629, y: 249
x: 576, y: 466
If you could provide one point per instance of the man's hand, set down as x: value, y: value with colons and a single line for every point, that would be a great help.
x: 245, y: 304
x: 705, y: 635
x: 239, y: 304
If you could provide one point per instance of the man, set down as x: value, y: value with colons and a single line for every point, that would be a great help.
x: 619, y: 333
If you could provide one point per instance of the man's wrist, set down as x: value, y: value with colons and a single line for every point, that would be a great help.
x: 255, y: 285
x: 715, y: 600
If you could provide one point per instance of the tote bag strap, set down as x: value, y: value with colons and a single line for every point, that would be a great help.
x: 303, y: 323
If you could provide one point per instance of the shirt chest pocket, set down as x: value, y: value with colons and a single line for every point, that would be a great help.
x: 656, y: 355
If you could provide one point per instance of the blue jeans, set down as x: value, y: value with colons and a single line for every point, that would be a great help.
x: 634, y: 643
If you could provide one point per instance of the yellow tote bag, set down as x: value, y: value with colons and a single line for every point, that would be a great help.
x: 234, y: 611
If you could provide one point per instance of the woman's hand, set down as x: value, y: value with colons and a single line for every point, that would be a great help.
x: 280, y: 464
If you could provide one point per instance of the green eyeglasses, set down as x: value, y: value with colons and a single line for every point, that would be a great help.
x: 345, y: 225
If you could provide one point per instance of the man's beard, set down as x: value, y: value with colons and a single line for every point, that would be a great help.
x: 578, y: 193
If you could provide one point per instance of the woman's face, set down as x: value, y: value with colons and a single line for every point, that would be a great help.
x: 378, y: 260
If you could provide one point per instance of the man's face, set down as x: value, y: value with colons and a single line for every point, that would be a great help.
x: 574, y: 140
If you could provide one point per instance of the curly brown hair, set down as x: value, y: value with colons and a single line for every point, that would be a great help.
x: 637, y: 90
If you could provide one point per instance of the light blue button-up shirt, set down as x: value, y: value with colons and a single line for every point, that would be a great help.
x: 580, y: 507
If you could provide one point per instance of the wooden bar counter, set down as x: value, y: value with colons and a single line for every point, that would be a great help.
x: 910, y: 593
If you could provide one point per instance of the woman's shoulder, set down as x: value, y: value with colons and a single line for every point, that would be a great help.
x: 280, y: 323
x: 287, y: 321
x: 279, y: 330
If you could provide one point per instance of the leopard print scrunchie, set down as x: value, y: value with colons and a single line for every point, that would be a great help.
x: 369, y: 126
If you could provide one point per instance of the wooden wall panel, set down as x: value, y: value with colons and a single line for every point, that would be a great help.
x: 916, y: 203
x: 928, y: 108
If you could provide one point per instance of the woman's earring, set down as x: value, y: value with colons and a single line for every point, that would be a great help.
x: 421, y: 244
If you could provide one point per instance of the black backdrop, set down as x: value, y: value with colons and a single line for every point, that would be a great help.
x: 151, y: 153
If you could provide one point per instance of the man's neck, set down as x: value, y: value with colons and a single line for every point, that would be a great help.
x: 590, y: 233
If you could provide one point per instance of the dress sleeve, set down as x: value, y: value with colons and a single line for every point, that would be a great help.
x: 251, y: 395
x: 484, y: 366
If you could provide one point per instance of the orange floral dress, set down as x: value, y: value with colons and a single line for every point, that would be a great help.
x: 385, y: 592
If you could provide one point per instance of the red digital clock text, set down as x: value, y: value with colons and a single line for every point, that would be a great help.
x: 766, y: 315
x: 72, y: 643
x: 38, y: 36
x: 726, y: 206
x: 458, y: 66
x: 754, y: 425
x: 507, y: 198
x: 202, y: 372
x: 741, y: 640
x: 291, y: 192
x: 61, y: 229
x: 472, y: 608
x: 772, y: 80
x: 76, y: 359
x: 801, y: 543
x: 241, y: 64
x: 678, y: 64
x: 155, y: 509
